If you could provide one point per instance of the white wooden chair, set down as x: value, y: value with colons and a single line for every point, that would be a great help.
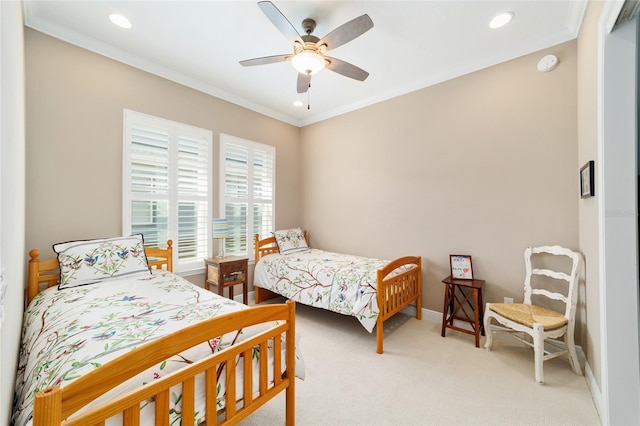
x: 540, y: 323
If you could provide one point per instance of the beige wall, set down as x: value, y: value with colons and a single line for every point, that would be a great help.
x: 75, y: 102
x: 588, y: 208
x: 485, y: 165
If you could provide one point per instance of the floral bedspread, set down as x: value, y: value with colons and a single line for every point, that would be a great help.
x: 341, y: 283
x: 67, y: 333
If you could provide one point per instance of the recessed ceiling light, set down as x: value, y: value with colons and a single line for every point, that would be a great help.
x: 298, y: 103
x: 120, y: 20
x: 501, y: 20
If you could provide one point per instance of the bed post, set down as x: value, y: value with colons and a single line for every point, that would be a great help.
x: 47, y: 407
x: 290, y: 393
x: 382, y: 307
x: 419, y: 299
x: 257, y: 297
x: 379, y: 331
x: 34, y: 272
x: 170, y: 255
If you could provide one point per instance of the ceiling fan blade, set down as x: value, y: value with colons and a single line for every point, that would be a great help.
x: 346, y: 69
x: 265, y: 60
x: 303, y: 82
x: 346, y: 32
x: 280, y: 21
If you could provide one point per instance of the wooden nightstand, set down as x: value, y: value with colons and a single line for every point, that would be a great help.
x: 455, y: 306
x: 227, y: 272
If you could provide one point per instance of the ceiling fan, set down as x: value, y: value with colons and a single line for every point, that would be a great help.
x: 308, y: 55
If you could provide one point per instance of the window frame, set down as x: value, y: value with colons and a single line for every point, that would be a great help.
x: 250, y: 199
x: 176, y: 131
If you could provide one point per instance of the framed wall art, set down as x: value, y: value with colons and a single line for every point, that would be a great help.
x: 461, y: 267
x: 587, y: 185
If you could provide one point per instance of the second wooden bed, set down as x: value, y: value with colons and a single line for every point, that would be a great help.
x: 398, y: 284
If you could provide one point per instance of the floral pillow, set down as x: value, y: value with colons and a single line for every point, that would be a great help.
x: 290, y: 240
x: 94, y: 261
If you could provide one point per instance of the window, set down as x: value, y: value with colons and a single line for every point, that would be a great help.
x: 247, y: 187
x: 166, y: 186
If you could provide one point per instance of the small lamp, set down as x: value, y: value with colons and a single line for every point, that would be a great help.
x: 220, y: 232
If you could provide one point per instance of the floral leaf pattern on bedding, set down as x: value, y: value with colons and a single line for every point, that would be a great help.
x: 67, y: 333
x: 341, y: 283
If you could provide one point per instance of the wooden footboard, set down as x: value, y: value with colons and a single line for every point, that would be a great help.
x: 396, y: 292
x: 55, y: 404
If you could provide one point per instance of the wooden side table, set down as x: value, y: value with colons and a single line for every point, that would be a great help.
x: 227, y: 272
x: 463, y: 305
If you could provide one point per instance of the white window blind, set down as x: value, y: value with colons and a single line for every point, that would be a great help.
x: 167, y: 170
x: 247, y: 191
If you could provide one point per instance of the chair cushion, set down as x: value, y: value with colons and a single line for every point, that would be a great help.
x: 530, y: 314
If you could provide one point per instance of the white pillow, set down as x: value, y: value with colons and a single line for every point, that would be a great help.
x: 290, y: 240
x: 94, y: 261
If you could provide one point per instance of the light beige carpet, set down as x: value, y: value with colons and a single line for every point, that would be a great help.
x: 423, y: 379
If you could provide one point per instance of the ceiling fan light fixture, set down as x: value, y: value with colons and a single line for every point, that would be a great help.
x: 501, y: 20
x: 308, y: 62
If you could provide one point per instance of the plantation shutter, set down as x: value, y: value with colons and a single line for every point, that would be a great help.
x: 149, y: 174
x: 193, y: 197
x: 263, y: 188
x: 166, y: 186
x: 247, y: 191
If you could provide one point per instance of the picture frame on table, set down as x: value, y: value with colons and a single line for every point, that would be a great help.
x: 587, y: 184
x: 461, y: 266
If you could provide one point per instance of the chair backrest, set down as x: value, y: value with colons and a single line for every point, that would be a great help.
x: 571, y: 279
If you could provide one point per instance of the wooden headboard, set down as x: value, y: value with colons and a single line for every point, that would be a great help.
x: 268, y: 245
x: 48, y: 271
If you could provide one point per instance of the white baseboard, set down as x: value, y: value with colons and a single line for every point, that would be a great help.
x: 596, y: 394
x: 430, y: 315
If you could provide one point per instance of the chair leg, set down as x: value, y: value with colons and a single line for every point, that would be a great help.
x: 573, y: 355
x: 488, y: 332
x: 538, y: 349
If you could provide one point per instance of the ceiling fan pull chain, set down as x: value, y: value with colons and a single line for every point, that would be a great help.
x: 309, y: 96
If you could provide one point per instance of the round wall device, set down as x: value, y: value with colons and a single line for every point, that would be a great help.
x: 548, y: 63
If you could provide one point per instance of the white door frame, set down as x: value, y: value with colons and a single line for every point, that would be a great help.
x: 617, y: 205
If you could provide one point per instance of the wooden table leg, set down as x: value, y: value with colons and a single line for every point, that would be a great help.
x: 481, y: 310
x: 476, y: 325
x: 445, y: 308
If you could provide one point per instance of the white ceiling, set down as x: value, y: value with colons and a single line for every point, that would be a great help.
x: 413, y: 44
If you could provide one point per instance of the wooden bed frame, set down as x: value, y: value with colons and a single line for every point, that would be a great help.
x: 54, y: 405
x: 393, y: 293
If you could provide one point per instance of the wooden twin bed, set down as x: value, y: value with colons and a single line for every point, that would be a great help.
x: 260, y: 364
x: 389, y: 286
